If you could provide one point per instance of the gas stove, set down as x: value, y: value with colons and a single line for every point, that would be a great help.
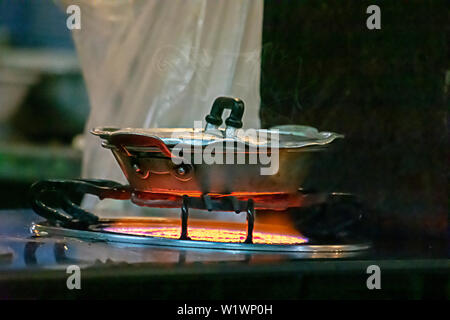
x: 318, y: 247
x: 124, y: 258
x: 293, y: 235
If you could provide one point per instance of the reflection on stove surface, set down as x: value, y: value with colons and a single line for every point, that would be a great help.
x: 98, y: 254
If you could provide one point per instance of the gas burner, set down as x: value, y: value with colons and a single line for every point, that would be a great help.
x: 209, y: 234
x: 67, y: 219
x: 204, y: 234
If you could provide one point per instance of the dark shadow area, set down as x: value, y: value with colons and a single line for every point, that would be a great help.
x: 386, y: 90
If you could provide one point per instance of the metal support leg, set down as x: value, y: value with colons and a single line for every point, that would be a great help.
x: 250, y: 220
x: 207, y: 202
x: 184, y: 219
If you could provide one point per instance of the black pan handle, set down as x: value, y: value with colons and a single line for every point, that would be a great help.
x: 220, y: 104
x: 62, y: 209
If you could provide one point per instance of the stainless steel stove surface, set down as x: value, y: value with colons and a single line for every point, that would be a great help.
x: 34, y: 267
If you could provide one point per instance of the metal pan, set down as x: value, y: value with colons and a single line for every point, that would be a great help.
x: 166, y: 160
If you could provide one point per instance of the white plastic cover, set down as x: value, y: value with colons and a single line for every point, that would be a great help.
x: 161, y: 63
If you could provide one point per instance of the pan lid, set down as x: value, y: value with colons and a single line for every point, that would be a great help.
x: 285, y: 136
x: 295, y: 137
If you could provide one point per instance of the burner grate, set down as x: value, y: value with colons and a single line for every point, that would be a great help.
x: 68, y: 219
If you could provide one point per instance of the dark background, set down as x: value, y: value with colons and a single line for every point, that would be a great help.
x: 386, y: 90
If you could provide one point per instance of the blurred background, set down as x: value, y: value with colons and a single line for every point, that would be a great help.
x: 43, y: 99
x: 386, y: 90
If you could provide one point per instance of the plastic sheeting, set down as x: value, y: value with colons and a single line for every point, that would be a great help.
x: 160, y: 63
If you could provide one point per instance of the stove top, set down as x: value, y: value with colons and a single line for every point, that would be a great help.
x: 26, y: 240
x: 29, y: 263
x: 289, y: 243
x: 204, y: 234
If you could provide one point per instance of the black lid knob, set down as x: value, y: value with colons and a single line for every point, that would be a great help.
x: 220, y: 104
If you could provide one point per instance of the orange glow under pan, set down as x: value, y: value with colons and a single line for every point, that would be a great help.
x: 209, y: 234
x: 227, y: 234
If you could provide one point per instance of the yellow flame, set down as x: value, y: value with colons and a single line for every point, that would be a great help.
x: 210, y: 234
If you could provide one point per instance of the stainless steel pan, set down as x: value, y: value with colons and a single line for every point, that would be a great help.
x: 156, y: 161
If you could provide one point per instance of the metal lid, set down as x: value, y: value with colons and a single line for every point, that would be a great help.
x: 288, y: 136
x: 295, y: 137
